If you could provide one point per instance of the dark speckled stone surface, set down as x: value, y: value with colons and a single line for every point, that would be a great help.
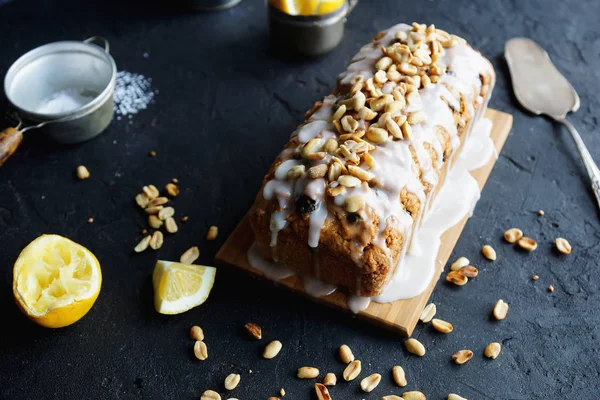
x: 225, y: 108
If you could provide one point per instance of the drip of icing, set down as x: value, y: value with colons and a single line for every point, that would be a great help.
x: 357, y: 304
x: 271, y: 270
x: 480, y: 147
x: 315, y: 190
x: 456, y: 198
x: 317, y: 288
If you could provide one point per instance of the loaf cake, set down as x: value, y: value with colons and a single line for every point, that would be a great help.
x: 350, y: 188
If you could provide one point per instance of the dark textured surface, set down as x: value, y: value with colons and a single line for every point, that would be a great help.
x: 225, y: 108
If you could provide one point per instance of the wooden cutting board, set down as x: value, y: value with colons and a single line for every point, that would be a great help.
x: 402, y: 315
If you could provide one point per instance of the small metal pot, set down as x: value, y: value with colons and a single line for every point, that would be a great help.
x: 65, y: 87
x: 308, y: 35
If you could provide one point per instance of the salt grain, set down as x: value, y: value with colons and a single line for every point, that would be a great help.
x: 132, y: 94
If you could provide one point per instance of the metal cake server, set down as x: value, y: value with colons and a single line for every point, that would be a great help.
x: 542, y: 89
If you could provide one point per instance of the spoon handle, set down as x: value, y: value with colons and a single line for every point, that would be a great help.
x: 588, y: 161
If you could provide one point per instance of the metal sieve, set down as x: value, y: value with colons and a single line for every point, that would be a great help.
x: 65, y: 87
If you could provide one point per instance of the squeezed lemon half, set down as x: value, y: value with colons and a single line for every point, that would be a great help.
x: 56, y: 281
x: 180, y: 287
x: 307, y: 7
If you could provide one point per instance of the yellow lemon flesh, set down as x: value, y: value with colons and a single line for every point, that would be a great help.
x: 307, y: 7
x: 181, y: 287
x: 56, y: 281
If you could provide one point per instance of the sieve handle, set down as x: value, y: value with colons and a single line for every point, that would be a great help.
x: 10, y: 139
x: 101, y: 39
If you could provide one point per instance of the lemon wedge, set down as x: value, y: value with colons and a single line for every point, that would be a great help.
x: 56, y: 281
x: 181, y: 287
x: 307, y: 7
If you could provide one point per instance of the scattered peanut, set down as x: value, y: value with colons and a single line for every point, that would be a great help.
x: 254, y: 330
x: 459, y: 263
x: 156, y: 241
x: 370, y: 382
x: 272, y: 349
x: 413, y: 395
x: 492, y: 350
x: 232, y: 381
x: 213, y: 231
x: 150, y: 191
x: 196, y: 333
x: 154, y: 221
x: 415, y: 347
x: 442, y: 326
x: 307, y: 372
x: 453, y: 396
x: 210, y: 395
x: 428, y: 313
x: 489, y: 252
x: 527, y: 243
x: 142, y: 200
x: 512, y: 235
x: 352, y: 370
x: 346, y: 354
x: 165, y: 213
x: 322, y: 392
x: 550, y: 288
x: 190, y: 255
x: 171, y: 225
x: 457, y: 278
x: 462, y: 356
x: 399, y: 376
x: 563, y: 245
x: 330, y: 379
x: 143, y: 244
x: 200, y: 350
x: 172, y: 189
x: 500, y: 310
x: 469, y: 271
x: 82, y: 172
